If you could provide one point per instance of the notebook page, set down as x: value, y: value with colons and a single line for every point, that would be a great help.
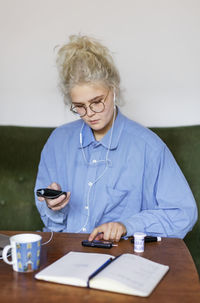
x: 74, y: 268
x: 130, y: 274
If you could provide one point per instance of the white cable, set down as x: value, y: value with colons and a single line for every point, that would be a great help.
x: 49, y: 239
x: 1, y: 258
x: 92, y: 163
x: 109, y: 145
x: 82, y: 150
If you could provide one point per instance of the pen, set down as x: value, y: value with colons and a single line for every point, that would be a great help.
x: 98, y: 270
x: 149, y: 239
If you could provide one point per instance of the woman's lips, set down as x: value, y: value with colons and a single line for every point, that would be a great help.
x: 93, y: 122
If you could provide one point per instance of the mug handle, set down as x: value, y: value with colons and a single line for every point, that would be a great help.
x: 5, y: 253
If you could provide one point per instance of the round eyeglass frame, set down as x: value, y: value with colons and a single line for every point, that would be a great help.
x: 90, y: 106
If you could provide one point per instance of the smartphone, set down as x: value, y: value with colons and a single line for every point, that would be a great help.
x: 95, y: 243
x: 48, y: 193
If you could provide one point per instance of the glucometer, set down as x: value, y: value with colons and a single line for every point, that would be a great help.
x: 49, y: 193
x: 100, y: 244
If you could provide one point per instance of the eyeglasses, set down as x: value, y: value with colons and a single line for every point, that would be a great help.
x: 97, y: 106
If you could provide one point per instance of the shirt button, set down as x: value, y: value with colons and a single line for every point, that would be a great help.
x: 86, y: 207
x: 94, y: 161
x: 83, y: 229
x: 90, y: 183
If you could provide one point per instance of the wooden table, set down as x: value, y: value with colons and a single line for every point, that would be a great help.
x: 181, y: 283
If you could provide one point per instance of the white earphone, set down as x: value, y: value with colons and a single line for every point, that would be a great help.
x: 114, y: 98
x: 107, y: 162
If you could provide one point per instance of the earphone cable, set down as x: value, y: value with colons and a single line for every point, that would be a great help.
x: 89, y: 163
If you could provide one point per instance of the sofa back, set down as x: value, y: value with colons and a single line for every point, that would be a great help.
x: 184, y: 143
x: 19, y: 157
x: 20, y: 149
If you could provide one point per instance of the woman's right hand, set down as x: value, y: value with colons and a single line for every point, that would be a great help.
x: 58, y: 203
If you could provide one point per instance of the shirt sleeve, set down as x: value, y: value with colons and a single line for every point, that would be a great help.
x: 168, y: 206
x: 47, y: 173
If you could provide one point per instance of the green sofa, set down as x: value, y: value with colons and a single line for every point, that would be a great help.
x: 20, y: 149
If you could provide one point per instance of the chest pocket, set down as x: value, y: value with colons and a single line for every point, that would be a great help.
x: 116, y: 202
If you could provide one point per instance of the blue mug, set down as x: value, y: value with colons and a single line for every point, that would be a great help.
x: 25, y: 252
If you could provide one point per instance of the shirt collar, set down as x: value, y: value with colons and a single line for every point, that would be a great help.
x: 88, y: 137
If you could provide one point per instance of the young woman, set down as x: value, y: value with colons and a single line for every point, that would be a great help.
x: 120, y: 178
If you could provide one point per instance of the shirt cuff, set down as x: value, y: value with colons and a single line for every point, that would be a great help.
x: 133, y: 225
x: 57, y: 216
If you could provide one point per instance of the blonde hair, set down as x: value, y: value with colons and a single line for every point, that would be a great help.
x: 85, y: 60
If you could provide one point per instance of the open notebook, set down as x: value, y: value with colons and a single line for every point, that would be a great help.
x: 128, y: 273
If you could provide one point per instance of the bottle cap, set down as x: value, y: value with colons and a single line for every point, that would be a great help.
x: 139, y: 235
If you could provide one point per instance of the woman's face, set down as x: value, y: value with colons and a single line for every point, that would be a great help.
x: 87, y: 94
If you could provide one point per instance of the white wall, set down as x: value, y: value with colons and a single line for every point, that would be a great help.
x: 156, y: 45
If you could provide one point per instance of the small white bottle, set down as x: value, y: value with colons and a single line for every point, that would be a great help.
x: 139, y: 242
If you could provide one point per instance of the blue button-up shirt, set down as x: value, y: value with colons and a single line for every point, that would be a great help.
x: 137, y: 182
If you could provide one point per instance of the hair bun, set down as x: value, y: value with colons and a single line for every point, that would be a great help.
x: 85, y: 60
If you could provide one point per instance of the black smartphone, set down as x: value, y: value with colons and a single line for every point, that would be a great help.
x: 48, y: 193
x: 95, y: 243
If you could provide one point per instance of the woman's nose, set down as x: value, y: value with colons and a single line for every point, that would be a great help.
x: 89, y: 112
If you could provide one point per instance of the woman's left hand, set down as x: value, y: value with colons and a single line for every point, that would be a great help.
x: 108, y: 231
